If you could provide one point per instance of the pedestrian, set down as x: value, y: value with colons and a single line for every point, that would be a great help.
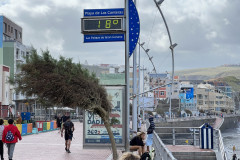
x: 19, y: 119
x: 137, y: 143
x: 59, y: 122
x: 129, y: 156
x: 150, y: 130
x: 10, y: 136
x: 234, y: 157
x: 68, y: 126
x: 1, y: 143
x: 139, y: 120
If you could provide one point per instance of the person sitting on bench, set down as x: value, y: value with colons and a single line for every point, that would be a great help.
x: 137, y: 143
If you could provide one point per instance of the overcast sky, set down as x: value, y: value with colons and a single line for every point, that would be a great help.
x: 207, y: 31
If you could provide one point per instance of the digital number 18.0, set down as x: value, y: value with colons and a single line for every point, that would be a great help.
x: 108, y: 23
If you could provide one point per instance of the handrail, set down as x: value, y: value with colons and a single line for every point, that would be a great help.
x: 221, y: 146
x: 195, y: 134
x: 161, y: 151
x: 178, y: 127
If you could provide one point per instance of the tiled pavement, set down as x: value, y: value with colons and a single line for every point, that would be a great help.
x: 50, y: 146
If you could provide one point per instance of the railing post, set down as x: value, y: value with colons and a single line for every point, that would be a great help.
x: 194, y: 137
x: 173, y: 134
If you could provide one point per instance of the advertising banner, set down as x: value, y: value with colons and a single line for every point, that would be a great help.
x: 95, y: 133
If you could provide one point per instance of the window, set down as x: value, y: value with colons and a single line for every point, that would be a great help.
x: 200, y: 96
x: 200, y: 102
x: 27, y: 54
x: 22, y: 54
x: 17, y: 54
x: 8, y: 28
x: 20, y: 35
x: 5, y: 27
x: 206, y: 96
x: 15, y: 33
x: 11, y: 29
x: 162, y: 93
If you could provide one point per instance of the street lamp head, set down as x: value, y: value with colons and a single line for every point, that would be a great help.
x: 173, y: 46
x: 147, y: 50
x: 160, y: 2
x: 142, y: 44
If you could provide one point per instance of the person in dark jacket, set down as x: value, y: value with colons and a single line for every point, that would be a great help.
x: 59, y: 122
x: 137, y: 143
x: 150, y: 130
x: 16, y: 135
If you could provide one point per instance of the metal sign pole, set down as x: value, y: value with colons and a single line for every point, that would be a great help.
x: 134, y: 102
x: 127, y: 74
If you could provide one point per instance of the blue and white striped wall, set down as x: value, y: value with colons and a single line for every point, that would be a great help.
x: 206, y: 136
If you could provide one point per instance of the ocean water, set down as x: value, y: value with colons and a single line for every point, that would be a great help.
x: 231, y: 137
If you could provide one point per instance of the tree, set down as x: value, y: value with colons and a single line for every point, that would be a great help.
x: 62, y: 82
x: 201, y: 111
x: 160, y: 111
x: 188, y: 111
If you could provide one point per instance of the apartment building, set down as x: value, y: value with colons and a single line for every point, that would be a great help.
x: 211, y: 100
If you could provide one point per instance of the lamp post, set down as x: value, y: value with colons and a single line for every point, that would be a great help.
x: 172, y: 46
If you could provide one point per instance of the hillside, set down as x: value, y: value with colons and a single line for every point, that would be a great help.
x: 209, y: 73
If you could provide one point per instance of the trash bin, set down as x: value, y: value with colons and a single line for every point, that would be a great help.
x: 24, y: 129
x: 44, y: 126
x: 19, y: 126
x: 206, y: 136
x: 51, y: 125
x: 39, y: 126
x: 48, y: 126
x: 29, y: 128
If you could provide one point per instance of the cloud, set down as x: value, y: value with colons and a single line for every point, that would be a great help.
x: 206, y: 31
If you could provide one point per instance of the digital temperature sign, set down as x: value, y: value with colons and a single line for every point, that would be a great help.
x: 102, y: 25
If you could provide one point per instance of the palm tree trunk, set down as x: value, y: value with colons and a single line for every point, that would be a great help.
x: 113, y: 144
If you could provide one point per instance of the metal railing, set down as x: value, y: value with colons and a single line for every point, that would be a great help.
x: 180, y: 135
x: 221, y: 148
x: 161, y: 151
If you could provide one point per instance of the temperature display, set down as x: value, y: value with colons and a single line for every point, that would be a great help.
x: 106, y: 24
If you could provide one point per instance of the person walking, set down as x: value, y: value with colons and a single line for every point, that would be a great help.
x: 59, y: 123
x: 1, y: 143
x: 150, y: 130
x: 68, y: 126
x: 139, y: 120
x: 10, y: 136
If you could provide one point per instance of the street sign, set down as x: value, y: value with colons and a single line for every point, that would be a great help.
x: 103, y: 12
x: 102, y: 25
x: 88, y: 38
x: 134, y: 27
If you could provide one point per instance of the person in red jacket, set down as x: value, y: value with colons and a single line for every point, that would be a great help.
x: 10, y: 136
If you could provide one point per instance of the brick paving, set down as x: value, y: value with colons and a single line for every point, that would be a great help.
x: 50, y: 146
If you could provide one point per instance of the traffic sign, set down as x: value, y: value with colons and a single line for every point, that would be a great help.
x: 103, y: 12
x: 88, y: 38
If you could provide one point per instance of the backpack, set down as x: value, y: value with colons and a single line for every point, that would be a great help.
x: 68, y: 127
x: 9, y: 136
x: 145, y: 156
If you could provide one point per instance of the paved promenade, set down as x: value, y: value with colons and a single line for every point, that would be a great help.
x: 50, y: 146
